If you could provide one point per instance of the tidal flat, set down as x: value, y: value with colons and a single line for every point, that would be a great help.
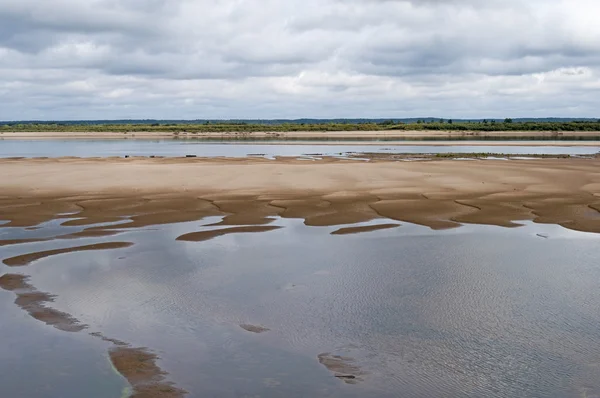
x: 332, y: 278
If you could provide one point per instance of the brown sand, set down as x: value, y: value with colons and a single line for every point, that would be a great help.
x: 343, y: 368
x: 139, y: 367
x: 366, y: 228
x: 19, y: 261
x: 8, y: 242
x: 438, y: 194
x: 206, y: 235
x: 34, y: 303
x: 254, y: 328
x: 87, y: 233
x: 139, y: 192
x: 109, y: 340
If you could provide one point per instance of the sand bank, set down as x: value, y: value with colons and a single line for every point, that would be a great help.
x: 438, y: 194
x: 308, y: 135
x: 138, y: 366
x: 20, y: 261
x: 35, y: 303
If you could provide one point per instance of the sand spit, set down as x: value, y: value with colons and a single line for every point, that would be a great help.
x: 343, y: 368
x: 206, y: 235
x: 366, y: 228
x: 254, y: 328
x: 249, y: 192
x: 137, y: 365
x: 25, y: 259
x: 35, y: 302
x: 91, y: 233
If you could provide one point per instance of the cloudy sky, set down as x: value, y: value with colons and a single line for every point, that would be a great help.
x: 189, y: 59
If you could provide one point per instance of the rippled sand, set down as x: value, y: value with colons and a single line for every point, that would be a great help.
x: 438, y: 194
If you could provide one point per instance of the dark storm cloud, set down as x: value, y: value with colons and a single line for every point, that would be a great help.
x: 321, y: 58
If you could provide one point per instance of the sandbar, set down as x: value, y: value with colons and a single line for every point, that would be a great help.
x: 137, y: 364
x: 35, y: 303
x: 25, y: 259
x: 343, y: 368
x: 206, y: 235
x: 138, y: 192
x: 517, y: 137
x: 362, y: 229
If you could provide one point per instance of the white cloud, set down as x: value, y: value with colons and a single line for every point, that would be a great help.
x: 106, y: 59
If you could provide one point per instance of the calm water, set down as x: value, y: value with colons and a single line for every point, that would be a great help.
x: 473, y: 312
x: 104, y: 148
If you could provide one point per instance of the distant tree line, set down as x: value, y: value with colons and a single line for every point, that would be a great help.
x: 241, y: 126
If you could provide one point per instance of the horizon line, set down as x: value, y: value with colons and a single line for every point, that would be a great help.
x: 297, y: 119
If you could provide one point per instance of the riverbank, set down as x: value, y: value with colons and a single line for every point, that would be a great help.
x: 251, y: 191
x: 390, y: 135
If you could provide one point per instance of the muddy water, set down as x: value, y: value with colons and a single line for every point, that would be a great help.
x: 476, y: 312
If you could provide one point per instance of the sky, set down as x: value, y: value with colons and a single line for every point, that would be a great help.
x: 264, y: 59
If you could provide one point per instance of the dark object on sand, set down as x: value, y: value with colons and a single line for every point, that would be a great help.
x: 343, y: 368
x: 126, y: 156
x: 190, y: 156
x: 254, y: 328
x: 345, y: 376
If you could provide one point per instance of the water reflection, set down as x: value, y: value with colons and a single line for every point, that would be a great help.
x: 107, y: 148
x: 477, y: 311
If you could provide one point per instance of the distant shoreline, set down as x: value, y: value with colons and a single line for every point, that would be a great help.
x: 404, y: 137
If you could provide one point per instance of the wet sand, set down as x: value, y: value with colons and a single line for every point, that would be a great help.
x: 366, y: 228
x: 250, y: 193
x: 138, y: 192
x: 137, y: 365
x: 254, y: 328
x: 35, y: 303
x: 206, y: 235
x: 342, y: 367
x: 89, y: 233
x: 25, y: 259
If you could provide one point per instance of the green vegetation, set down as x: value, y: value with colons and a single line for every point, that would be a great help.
x: 386, y: 125
x: 507, y: 125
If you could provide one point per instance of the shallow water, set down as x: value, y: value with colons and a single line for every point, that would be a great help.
x: 124, y: 147
x: 477, y: 311
x: 42, y: 362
